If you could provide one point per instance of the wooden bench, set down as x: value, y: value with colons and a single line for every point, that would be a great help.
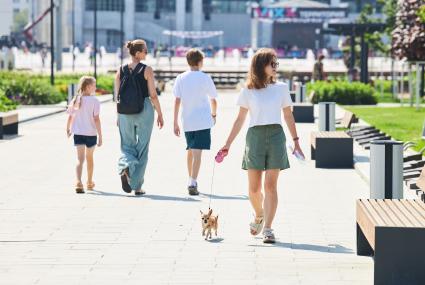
x: 8, y: 123
x: 393, y: 232
x: 419, y: 184
x: 332, y: 149
x: 421, y: 180
x: 416, y: 156
x: 347, y: 120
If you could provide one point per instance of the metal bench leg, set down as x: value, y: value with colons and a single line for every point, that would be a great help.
x: 363, y: 247
x: 11, y: 129
x: 399, y: 256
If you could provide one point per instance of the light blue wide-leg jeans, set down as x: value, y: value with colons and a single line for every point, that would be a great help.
x: 135, y: 131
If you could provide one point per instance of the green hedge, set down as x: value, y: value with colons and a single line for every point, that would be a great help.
x: 32, y: 92
x: 5, y: 103
x: 34, y: 89
x: 342, y: 92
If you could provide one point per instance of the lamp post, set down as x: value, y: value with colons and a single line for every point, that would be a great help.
x: 95, y: 38
x: 73, y: 35
x: 52, y: 44
x: 122, y: 32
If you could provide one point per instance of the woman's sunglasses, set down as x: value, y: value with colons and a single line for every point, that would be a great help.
x: 274, y: 64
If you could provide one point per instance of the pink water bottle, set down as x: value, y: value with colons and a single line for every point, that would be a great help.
x: 220, y: 155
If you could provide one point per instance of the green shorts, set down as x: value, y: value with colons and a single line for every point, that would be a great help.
x: 265, y: 148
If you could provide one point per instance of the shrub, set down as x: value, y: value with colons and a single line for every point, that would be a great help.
x: 30, y: 88
x: 5, y: 103
x: 30, y: 91
x: 342, y: 92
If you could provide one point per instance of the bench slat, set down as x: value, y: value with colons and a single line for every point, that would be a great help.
x: 10, y: 118
x: 419, y: 209
x: 381, y: 213
x: 372, y: 213
x: 412, y: 221
x: 347, y: 119
x: 420, y: 205
x: 366, y: 222
x: 412, y: 213
x: 394, y: 213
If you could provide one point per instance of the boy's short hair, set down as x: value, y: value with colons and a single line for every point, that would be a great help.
x: 194, y: 56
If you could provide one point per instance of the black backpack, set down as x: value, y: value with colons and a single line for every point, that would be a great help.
x: 130, y: 99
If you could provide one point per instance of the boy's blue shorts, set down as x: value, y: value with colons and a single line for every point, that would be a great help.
x: 198, y: 139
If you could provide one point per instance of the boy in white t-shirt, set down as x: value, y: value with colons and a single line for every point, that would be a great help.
x: 196, y: 92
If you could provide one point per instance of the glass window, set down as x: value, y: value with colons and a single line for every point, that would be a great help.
x: 113, y: 38
x: 154, y: 5
x: 104, y: 5
x: 188, y: 6
x: 226, y: 6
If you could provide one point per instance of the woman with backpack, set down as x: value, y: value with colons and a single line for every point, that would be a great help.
x: 136, y: 101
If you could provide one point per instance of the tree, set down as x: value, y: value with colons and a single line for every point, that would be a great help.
x: 409, y: 34
x: 20, y: 19
x: 374, y: 40
x: 421, y: 14
x: 390, y: 11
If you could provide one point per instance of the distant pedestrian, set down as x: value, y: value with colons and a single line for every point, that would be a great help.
x: 43, y: 54
x: 318, y: 73
x: 136, y: 100
x: 196, y: 93
x: 84, y: 123
x: 265, y: 152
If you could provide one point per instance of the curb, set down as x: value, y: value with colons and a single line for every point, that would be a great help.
x: 56, y: 112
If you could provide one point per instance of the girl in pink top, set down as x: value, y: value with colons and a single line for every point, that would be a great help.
x: 84, y: 123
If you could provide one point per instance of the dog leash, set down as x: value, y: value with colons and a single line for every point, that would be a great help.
x: 217, y: 159
x: 212, y: 184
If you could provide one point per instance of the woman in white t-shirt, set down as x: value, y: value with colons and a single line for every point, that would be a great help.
x: 265, y: 151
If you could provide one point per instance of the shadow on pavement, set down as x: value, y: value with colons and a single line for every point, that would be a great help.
x: 169, y: 198
x: 10, y: 137
x: 146, y: 196
x: 362, y: 158
x: 215, y: 240
x: 332, y: 248
x: 102, y: 193
x: 219, y: 197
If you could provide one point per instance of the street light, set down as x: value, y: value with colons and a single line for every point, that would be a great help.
x: 122, y: 32
x: 52, y: 44
x: 73, y: 35
x: 95, y: 38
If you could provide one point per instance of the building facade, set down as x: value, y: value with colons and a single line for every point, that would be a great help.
x: 6, y: 17
x: 148, y: 19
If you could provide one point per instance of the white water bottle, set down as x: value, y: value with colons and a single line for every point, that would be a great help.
x: 297, y: 154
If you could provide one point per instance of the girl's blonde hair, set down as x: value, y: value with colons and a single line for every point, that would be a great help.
x: 257, y: 77
x: 85, y: 81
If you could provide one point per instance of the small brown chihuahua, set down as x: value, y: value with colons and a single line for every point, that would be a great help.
x: 209, y: 222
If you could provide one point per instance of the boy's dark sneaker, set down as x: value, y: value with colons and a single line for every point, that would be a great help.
x: 139, y: 192
x: 193, y: 190
x: 124, y: 181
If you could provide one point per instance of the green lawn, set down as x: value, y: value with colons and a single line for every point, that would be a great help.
x: 402, y: 123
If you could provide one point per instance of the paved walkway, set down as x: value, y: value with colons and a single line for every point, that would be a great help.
x: 50, y: 235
